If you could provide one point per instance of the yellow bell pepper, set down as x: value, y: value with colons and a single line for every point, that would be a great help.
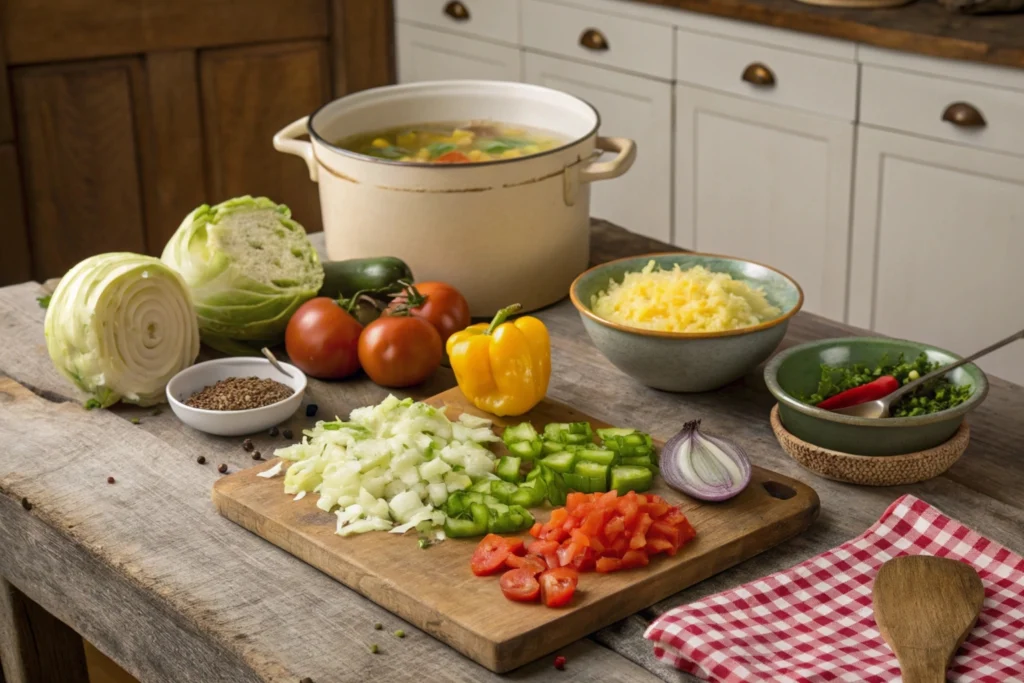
x: 504, y: 367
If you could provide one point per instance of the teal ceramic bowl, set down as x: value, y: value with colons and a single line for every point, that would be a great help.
x: 795, y: 372
x: 687, y: 362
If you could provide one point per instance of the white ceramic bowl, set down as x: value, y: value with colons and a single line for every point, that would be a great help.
x: 233, y: 422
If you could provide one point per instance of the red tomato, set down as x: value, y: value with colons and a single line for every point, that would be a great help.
x: 608, y: 564
x: 399, y: 351
x: 489, y: 557
x: 558, y: 585
x: 520, y: 585
x: 634, y: 558
x: 533, y: 563
x: 322, y: 339
x: 515, y: 546
x: 452, y: 157
x: 446, y: 309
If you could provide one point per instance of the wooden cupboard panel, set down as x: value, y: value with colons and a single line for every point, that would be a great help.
x: 428, y: 55
x: 53, y: 30
x: 6, y: 117
x: 937, y: 243
x: 362, y: 44
x: 248, y: 94
x: 174, y: 178
x: 15, y: 257
x: 766, y: 183
x: 79, y: 157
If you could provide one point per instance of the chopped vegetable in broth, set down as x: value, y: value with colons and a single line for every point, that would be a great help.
x: 452, y: 143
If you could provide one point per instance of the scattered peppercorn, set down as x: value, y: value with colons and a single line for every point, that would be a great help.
x: 247, y: 445
x: 311, y: 409
x: 560, y: 663
x: 239, y: 393
x: 201, y: 460
x: 399, y: 633
x: 25, y: 504
x: 135, y: 420
x: 374, y: 649
x: 256, y: 455
x: 273, y: 431
x: 307, y: 679
x: 154, y: 412
x: 286, y: 433
x: 111, y: 480
x: 378, y: 626
x: 223, y: 468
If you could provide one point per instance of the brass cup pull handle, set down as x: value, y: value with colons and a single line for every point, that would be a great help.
x: 964, y: 115
x: 592, y: 39
x: 759, y: 75
x: 457, y: 11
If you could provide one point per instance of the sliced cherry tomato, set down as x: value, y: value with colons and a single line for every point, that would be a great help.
x: 531, y: 562
x: 322, y: 339
x: 608, y: 564
x: 515, y: 546
x: 558, y: 585
x: 585, y: 561
x: 542, y: 547
x: 453, y: 157
x: 520, y: 585
x: 445, y: 307
x: 489, y: 557
x: 400, y: 351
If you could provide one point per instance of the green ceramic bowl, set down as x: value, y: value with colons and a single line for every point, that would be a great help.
x: 687, y: 362
x: 795, y: 372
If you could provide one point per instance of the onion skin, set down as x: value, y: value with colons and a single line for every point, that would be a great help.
x: 674, y: 476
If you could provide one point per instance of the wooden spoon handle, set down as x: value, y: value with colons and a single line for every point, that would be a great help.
x: 920, y: 665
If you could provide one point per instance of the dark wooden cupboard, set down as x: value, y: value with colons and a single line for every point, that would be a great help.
x: 117, y: 118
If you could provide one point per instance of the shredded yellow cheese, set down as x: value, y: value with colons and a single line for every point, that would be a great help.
x: 692, y: 300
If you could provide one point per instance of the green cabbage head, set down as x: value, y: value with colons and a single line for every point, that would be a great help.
x: 120, y: 326
x: 249, y: 266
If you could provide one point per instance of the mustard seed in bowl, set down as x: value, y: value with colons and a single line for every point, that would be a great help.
x: 239, y: 393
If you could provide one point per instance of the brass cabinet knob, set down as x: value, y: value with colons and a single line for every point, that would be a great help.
x: 964, y: 115
x: 759, y: 74
x: 592, y: 39
x: 457, y: 11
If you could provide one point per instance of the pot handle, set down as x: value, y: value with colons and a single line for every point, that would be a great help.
x: 600, y: 170
x: 286, y: 140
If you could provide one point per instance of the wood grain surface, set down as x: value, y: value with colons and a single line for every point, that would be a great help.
x: 35, y: 647
x: 147, y: 570
x: 436, y: 591
x: 923, y: 27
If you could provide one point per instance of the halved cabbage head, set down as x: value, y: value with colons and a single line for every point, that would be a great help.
x: 249, y: 266
x: 120, y: 326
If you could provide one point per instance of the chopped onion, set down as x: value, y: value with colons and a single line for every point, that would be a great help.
x: 272, y: 472
x: 703, y: 466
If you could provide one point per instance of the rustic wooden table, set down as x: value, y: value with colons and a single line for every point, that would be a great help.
x: 147, y: 571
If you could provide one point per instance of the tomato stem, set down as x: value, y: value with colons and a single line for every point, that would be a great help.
x: 501, y: 316
x: 413, y: 299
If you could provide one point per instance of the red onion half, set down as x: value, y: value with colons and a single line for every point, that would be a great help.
x: 703, y: 466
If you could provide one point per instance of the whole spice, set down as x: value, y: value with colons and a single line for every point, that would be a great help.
x: 256, y: 455
x: 560, y: 663
x: 374, y: 649
x: 287, y: 433
x: 135, y: 420
x: 223, y: 468
x: 25, y: 504
x: 703, y: 466
x: 239, y: 393
x: 378, y: 626
x: 201, y: 460
x: 111, y: 480
x: 399, y: 633
x: 247, y: 445
x: 311, y: 409
x: 273, y: 431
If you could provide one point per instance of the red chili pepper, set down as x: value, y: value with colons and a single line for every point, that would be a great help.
x: 872, y: 391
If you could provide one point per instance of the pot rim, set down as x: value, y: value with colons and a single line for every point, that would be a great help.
x: 475, y: 164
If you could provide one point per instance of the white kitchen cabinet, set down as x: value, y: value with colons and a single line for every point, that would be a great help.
x: 766, y: 183
x: 428, y: 55
x: 938, y: 238
x: 633, y: 107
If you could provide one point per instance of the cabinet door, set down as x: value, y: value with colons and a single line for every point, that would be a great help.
x: 766, y: 183
x: 630, y: 107
x: 428, y: 55
x: 937, y: 245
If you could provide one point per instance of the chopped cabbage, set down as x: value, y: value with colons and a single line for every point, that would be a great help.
x: 391, y: 466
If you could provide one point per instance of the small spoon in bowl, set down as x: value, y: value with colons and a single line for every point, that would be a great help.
x: 880, y: 408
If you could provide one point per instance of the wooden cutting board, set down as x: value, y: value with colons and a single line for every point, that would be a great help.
x: 435, y: 590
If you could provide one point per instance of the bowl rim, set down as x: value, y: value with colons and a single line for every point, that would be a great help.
x: 784, y: 398
x: 585, y: 310
x: 231, y: 414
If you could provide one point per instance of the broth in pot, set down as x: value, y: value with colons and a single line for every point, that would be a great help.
x: 452, y: 142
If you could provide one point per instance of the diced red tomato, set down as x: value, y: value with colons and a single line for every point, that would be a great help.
x: 659, y: 545
x: 634, y: 558
x: 585, y: 561
x: 520, y: 585
x: 515, y: 546
x: 552, y: 560
x: 489, y: 556
x: 614, y: 527
x: 542, y: 547
x: 535, y: 530
x: 608, y: 564
x: 558, y: 585
x: 452, y: 158
x: 531, y: 562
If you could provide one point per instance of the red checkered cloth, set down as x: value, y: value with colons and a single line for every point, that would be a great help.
x: 814, y: 622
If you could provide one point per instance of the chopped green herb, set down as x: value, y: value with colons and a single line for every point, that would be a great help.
x: 44, y: 301
x: 92, y: 404
x: 436, y: 149
x: 378, y: 626
x: 135, y: 420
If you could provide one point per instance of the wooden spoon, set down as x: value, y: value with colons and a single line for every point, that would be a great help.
x: 925, y: 606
